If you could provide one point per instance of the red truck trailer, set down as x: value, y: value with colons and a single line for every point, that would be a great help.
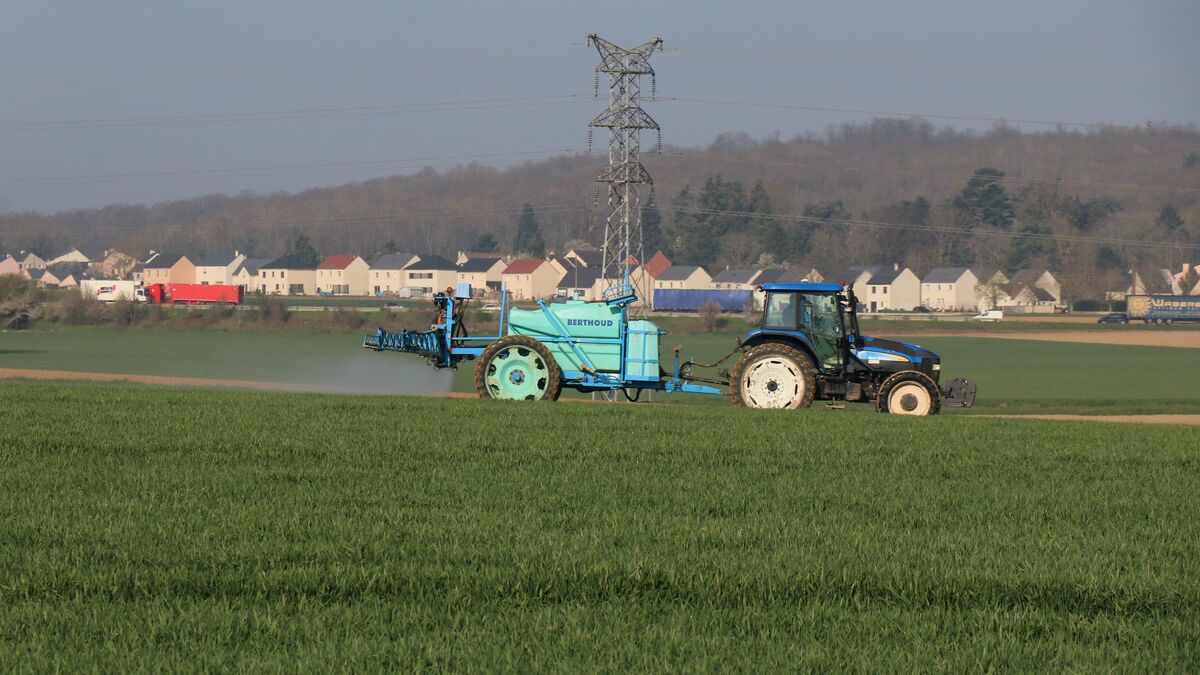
x: 194, y: 294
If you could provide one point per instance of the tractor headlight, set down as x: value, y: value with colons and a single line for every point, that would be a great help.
x: 937, y: 366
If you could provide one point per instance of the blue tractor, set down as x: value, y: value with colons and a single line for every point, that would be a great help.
x: 807, y: 347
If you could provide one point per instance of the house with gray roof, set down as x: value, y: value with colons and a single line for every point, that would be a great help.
x: 1039, y: 278
x: 580, y: 283
x: 690, y: 277
x: 218, y: 268
x: 430, y: 274
x: 288, y: 275
x: 484, y: 274
x: 28, y: 260
x: 951, y: 289
x: 885, y: 287
x: 736, y: 279
x: 169, y: 269
x: 77, y: 255
x: 246, y: 274
x: 387, y: 272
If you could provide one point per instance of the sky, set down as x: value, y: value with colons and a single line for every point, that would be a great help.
x: 126, y: 102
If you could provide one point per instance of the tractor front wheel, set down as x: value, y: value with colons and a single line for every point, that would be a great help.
x: 773, y: 375
x: 518, y: 368
x: 909, y: 392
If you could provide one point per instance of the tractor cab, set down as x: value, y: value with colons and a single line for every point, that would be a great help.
x: 816, y: 316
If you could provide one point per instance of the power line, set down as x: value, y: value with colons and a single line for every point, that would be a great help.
x: 689, y: 155
x: 947, y: 116
x: 303, y: 113
x: 383, y: 59
x: 568, y: 207
x: 373, y: 165
x: 947, y: 66
x: 426, y: 215
x: 941, y: 229
x: 273, y: 170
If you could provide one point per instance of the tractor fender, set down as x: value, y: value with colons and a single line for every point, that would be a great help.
x: 757, y: 338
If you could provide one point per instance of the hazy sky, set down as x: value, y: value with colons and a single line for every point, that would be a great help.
x: 104, y: 64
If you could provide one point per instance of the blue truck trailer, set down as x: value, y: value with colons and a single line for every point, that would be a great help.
x: 1163, y: 309
x: 691, y: 300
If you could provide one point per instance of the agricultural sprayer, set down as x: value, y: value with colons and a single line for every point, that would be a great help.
x: 807, y: 346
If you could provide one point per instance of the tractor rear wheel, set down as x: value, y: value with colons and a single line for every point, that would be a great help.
x: 518, y: 368
x: 909, y: 392
x: 773, y: 375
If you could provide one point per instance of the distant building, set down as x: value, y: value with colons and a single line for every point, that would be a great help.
x: 387, y: 273
x: 218, y: 268
x: 887, y: 287
x: 77, y: 255
x: 657, y: 264
x: 1029, y: 298
x: 690, y: 277
x: 586, y: 256
x: 736, y: 279
x: 246, y: 274
x: 343, y: 274
x: 288, y: 275
x: 484, y: 274
x: 29, y: 260
x: 579, y: 283
x: 431, y: 274
x: 950, y: 289
x: 464, y: 256
x: 169, y: 269
x: 531, y: 279
x: 1039, y: 278
x: 116, y: 265
x: 10, y: 266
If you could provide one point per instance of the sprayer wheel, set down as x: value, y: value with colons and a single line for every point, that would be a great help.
x: 520, y: 368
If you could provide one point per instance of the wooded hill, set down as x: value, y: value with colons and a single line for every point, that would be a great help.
x: 1089, y: 204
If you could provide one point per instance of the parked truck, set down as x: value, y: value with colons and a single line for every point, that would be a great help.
x: 194, y: 294
x: 1162, y: 309
x: 112, y: 290
x: 691, y: 300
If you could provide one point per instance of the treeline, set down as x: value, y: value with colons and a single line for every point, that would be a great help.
x: 1085, y: 203
x: 985, y: 224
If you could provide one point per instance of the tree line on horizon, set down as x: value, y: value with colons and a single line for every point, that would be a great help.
x: 738, y: 202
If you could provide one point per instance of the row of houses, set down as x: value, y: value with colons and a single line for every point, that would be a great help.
x: 575, y: 274
x: 892, y: 287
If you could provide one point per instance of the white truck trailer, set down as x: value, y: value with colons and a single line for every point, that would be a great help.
x: 111, y: 290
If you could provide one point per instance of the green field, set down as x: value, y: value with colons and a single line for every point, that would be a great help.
x: 321, y: 361
x: 168, y: 529
x: 1013, y: 376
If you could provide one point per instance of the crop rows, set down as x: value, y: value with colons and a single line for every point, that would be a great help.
x: 168, y: 529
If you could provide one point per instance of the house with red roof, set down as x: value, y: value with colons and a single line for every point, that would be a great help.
x: 531, y: 279
x: 657, y: 264
x: 343, y: 274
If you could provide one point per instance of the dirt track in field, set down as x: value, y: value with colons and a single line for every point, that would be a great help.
x: 1143, y: 338
x: 1190, y: 420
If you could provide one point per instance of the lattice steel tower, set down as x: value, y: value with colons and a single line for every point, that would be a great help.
x: 624, y: 174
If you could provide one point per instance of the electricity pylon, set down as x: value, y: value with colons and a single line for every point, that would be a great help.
x: 624, y: 174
